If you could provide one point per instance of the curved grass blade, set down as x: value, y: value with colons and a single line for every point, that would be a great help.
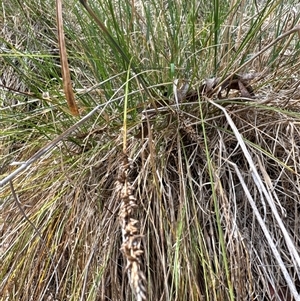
x: 65, y: 71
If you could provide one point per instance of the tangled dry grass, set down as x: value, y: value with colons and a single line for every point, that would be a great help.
x: 191, y: 195
x: 182, y: 193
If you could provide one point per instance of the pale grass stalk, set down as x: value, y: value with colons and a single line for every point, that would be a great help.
x: 258, y: 181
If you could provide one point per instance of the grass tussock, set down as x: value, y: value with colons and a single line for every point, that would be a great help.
x: 179, y: 179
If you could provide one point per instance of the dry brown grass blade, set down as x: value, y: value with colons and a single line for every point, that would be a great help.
x: 65, y: 71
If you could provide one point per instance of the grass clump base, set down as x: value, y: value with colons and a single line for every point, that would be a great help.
x: 179, y: 180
